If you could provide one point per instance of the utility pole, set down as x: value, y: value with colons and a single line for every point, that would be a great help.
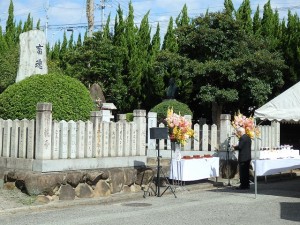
x: 47, y: 18
x: 102, y: 7
x: 90, y: 16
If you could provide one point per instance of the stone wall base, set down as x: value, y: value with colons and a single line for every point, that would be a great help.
x: 80, y: 183
x: 56, y: 165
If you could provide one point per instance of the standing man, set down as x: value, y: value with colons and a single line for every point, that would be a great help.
x: 244, y: 158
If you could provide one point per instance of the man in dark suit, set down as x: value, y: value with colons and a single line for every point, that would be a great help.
x: 244, y: 158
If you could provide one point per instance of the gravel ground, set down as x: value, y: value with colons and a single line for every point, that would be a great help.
x: 14, y: 199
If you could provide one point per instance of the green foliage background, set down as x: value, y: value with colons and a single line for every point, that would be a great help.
x: 222, y: 61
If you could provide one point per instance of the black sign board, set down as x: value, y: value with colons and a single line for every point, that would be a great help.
x: 159, y: 133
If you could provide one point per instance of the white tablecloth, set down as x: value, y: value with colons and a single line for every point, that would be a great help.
x: 194, y: 169
x: 265, y: 167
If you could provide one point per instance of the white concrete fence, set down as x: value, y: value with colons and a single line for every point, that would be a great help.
x: 48, y: 145
x: 210, y: 138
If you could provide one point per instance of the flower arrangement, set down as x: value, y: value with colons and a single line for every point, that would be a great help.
x: 246, y: 122
x: 179, y: 127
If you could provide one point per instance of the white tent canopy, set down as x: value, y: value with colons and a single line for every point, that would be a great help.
x: 285, y: 107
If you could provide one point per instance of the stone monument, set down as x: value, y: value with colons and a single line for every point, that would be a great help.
x: 97, y: 95
x: 172, y: 90
x: 32, y: 54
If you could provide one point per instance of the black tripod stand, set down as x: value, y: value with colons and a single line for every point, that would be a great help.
x: 159, y: 133
x: 159, y: 174
x: 227, y: 160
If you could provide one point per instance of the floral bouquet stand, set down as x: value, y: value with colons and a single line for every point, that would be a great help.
x: 179, y: 131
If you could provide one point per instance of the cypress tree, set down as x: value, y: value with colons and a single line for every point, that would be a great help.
x: 243, y: 15
x: 79, y: 42
x: 183, y: 18
x: 38, y: 25
x: 155, y: 43
x: 55, y: 51
x: 10, y: 26
x: 267, y: 21
x: 256, y: 22
x: 119, y: 35
x: 106, y: 31
x: 229, y: 8
x: 64, y: 45
x: 277, y: 26
x: 28, y: 25
x: 134, y: 69
x: 170, y: 42
x: 144, y: 45
x: 3, y: 44
x: 19, y: 29
x: 152, y: 82
x: 71, y: 41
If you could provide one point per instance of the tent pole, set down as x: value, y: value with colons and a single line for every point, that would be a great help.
x: 255, y: 157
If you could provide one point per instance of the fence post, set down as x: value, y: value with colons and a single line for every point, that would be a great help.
x: 276, y: 134
x: 96, y: 119
x: 214, y: 137
x: 139, y: 117
x: 225, y: 128
x: 188, y: 145
x: 152, y: 122
x: 121, y: 117
x: 43, y: 130
x: 196, y: 137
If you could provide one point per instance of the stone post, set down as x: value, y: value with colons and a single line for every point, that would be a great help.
x: 139, y: 117
x: 276, y: 134
x: 188, y: 145
x: 43, y: 131
x: 196, y: 137
x: 96, y: 119
x: 225, y: 128
x: 121, y: 117
x: 152, y: 122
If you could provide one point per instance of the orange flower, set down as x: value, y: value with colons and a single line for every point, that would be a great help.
x: 248, y: 123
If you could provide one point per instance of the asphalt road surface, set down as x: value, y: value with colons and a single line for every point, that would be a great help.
x: 277, y: 202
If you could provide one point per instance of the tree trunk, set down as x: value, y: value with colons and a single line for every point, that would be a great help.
x: 216, y: 112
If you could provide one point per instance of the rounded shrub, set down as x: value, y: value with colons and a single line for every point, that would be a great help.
x: 70, y: 99
x: 178, y: 107
x: 129, y: 117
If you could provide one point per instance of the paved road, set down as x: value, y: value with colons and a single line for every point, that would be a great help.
x: 278, y: 202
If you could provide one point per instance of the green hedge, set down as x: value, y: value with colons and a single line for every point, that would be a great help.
x: 178, y: 107
x: 69, y: 97
x: 129, y: 117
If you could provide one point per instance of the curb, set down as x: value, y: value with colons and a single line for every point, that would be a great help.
x: 115, y: 198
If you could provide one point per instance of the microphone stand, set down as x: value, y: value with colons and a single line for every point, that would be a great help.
x: 227, y: 160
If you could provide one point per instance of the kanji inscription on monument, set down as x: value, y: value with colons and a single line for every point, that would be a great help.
x: 32, y: 54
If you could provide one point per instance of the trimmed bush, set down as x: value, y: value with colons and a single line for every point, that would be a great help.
x: 178, y: 107
x: 69, y: 97
x: 129, y: 117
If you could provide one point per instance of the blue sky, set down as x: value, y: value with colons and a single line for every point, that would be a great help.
x: 72, y: 13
